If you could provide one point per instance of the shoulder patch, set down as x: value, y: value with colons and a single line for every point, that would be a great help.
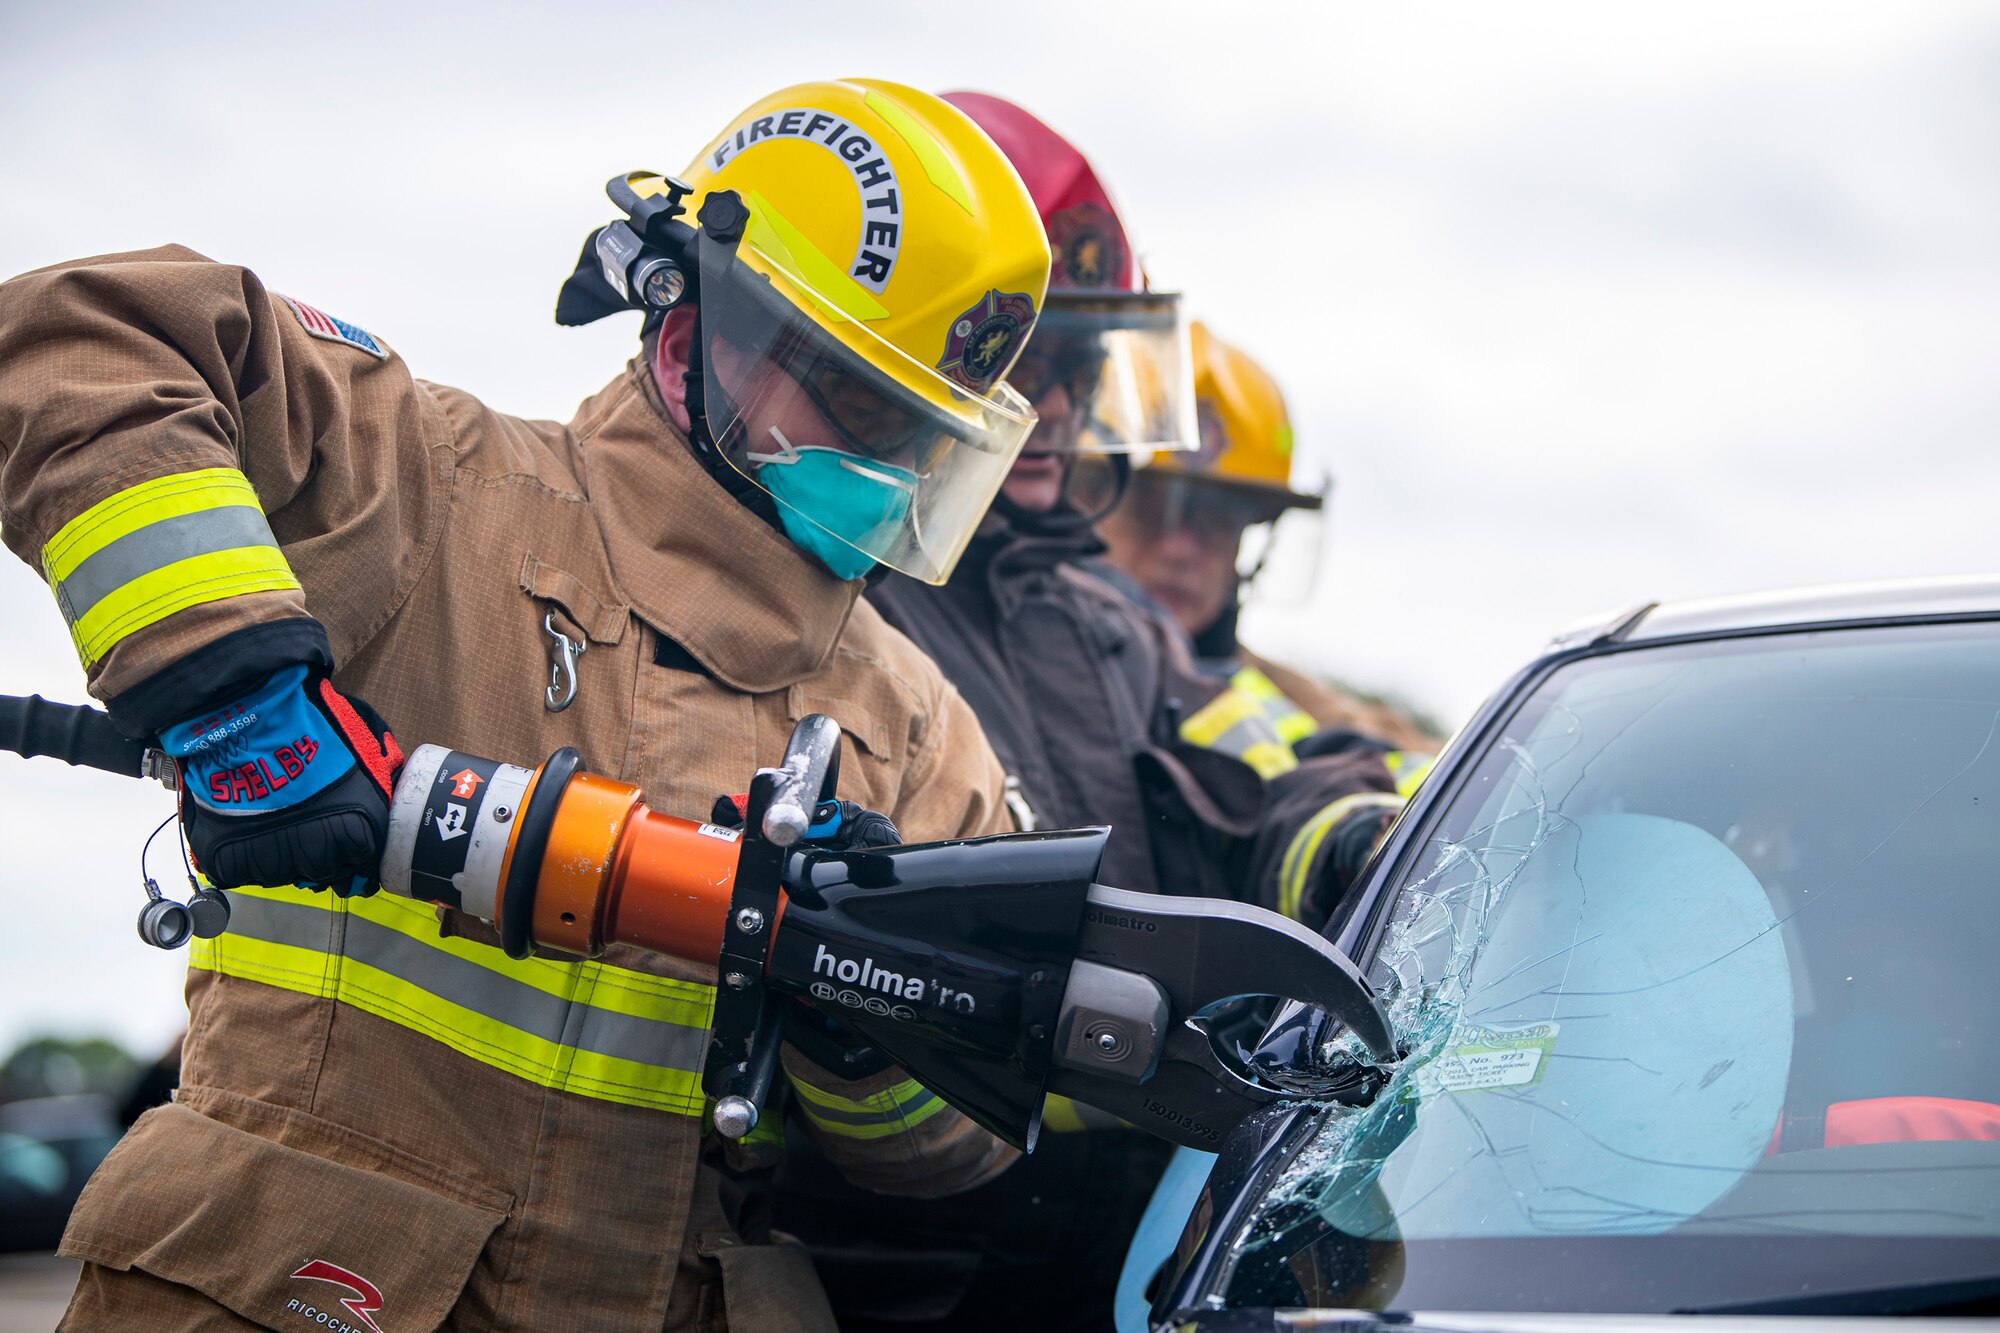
x: 322, y: 325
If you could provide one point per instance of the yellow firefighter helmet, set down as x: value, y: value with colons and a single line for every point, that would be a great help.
x: 865, y: 266
x: 1246, y: 434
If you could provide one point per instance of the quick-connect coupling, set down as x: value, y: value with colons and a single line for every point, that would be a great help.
x: 451, y: 824
x: 557, y: 858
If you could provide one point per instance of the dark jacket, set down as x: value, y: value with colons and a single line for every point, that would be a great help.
x: 1085, y: 697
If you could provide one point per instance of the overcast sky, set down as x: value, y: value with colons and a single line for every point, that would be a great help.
x: 1583, y: 304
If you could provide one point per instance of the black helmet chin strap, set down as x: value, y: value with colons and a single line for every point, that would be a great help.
x: 694, y: 393
x: 646, y: 261
x: 701, y: 437
x: 1217, y: 640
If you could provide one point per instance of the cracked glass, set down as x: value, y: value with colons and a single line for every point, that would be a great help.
x: 1696, y: 972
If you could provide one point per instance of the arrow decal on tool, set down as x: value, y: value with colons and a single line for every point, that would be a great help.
x: 451, y: 824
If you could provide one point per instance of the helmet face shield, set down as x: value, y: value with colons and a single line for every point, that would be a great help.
x: 1194, y: 543
x: 1217, y: 518
x: 1110, y: 373
x: 1245, y: 478
x: 1280, y: 559
x: 871, y: 456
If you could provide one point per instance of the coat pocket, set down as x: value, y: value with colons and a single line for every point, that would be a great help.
x: 598, y: 615
x: 772, y: 1288
x: 278, y: 1234
x: 873, y: 714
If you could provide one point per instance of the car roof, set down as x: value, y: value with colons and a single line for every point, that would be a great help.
x: 1968, y: 594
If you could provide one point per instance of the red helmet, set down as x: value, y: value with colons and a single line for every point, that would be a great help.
x: 1086, y: 240
x: 1119, y: 350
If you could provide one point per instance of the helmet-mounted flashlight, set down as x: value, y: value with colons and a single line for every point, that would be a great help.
x: 636, y: 255
x: 641, y: 262
x: 642, y: 278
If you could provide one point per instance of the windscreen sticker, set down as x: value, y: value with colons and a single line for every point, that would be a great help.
x: 1480, y: 1058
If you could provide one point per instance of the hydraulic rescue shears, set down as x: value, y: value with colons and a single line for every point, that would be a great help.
x: 995, y: 971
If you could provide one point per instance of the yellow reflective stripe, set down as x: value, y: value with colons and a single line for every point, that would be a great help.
x: 1252, y: 720
x: 1239, y: 723
x: 1409, y: 768
x: 1292, y: 722
x: 1295, y: 725
x: 1235, y: 723
x: 139, y: 506
x: 1254, y: 682
x: 768, y: 1130
x: 474, y: 1030
x: 1061, y: 1115
x: 894, y: 1110
x: 466, y: 1031
x: 1295, y: 868
x: 159, y: 556
x: 832, y: 287
x: 636, y: 994
x: 1207, y: 724
x: 153, y: 597
x: 937, y: 163
x: 1270, y: 758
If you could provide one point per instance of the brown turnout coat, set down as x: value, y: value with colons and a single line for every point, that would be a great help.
x: 432, y: 536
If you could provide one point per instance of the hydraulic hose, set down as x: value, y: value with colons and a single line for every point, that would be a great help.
x: 77, y: 735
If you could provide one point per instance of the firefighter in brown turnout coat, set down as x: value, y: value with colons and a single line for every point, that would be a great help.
x: 255, y: 519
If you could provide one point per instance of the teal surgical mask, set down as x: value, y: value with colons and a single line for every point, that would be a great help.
x: 834, y: 505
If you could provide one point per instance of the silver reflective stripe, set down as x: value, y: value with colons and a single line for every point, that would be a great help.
x: 1255, y: 740
x: 156, y: 546
x: 902, y: 1110
x: 553, y: 1018
x: 1243, y: 734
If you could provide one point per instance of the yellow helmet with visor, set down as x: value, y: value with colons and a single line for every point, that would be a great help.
x: 1241, y: 505
x: 865, y: 266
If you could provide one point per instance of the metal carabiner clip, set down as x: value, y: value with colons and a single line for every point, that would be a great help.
x: 561, y: 692
x: 1017, y: 806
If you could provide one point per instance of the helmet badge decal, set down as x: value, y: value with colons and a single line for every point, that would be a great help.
x: 981, y: 341
x: 874, y: 175
x: 1088, y: 246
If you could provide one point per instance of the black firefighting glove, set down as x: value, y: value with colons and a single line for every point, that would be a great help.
x: 289, y: 784
x: 840, y: 826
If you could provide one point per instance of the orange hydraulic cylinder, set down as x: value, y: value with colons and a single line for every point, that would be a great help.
x: 616, y: 871
x: 670, y: 887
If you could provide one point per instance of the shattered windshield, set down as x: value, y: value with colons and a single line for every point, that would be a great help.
x: 1697, y: 969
